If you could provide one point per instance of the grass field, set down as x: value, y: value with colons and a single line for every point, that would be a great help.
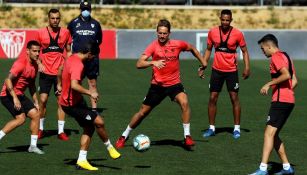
x: 122, y: 88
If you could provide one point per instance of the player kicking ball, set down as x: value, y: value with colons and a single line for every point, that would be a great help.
x: 74, y: 105
x: 22, y: 76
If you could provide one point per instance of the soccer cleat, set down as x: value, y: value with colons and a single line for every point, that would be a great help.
x: 188, y: 141
x: 63, y: 136
x: 209, y: 133
x: 260, y: 172
x: 113, y: 153
x: 236, y: 134
x: 290, y: 171
x: 85, y: 165
x: 120, y: 143
x: 34, y: 149
x: 40, y: 134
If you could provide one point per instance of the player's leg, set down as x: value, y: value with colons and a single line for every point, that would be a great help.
x: 34, y: 115
x: 61, y: 123
x: 92, y: 84
x: 280, y: 149
x: 91, y: 71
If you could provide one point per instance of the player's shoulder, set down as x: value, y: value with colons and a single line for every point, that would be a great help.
x: 74, y: 20
x: 236, y: 30
x: 214, y: 29
x: 93, y: 20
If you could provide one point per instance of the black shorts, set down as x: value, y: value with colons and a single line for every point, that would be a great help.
x: 157, y: 93
x: 218, y: 78
x: 46, y: 82
x: 279, y: 113
x: 91, y: 68
x: 26, y: 104
x: 81, y: 113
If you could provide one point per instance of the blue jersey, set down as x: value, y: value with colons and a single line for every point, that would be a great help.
x: 84, y: 31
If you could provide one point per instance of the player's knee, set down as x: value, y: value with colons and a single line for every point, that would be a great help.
x: 20, y: 120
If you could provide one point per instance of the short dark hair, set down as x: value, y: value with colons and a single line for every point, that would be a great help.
x: 226, y: 12
x: 32, y: 43
x: 53, y: 11
x: 269, y: 37
x: 91, y: 47
x: 164, y: 23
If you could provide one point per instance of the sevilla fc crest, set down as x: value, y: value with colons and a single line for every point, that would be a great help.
x: 12, y: 42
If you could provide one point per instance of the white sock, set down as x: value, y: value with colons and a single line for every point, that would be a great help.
x: 286, y: 166
x: 236, y: 128
x: 127, y: 131
x: 108, y: 144
x: 34, y: 140
x: 82, y: 155
x: 186, y: 129
x: 41, y: 123
x: 61, y: 124
x: 212, y: 127
x: 2, y: 134
x: 263, y: 166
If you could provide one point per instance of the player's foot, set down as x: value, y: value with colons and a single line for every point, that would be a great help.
x: 209, y: 133
x: 113, y: 153
x: 120, y: 143
x: 63, y: 136
x: 260, y: 172
x: 236, y: 134
x: 40, y: 134
x: 34, y: 149
x: 85, y: 165
x: 290, y: 171
x: 188, y: 141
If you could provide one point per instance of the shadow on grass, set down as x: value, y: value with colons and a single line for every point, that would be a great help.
x: 93, y: 162
x: 54, y: 132
x: 275, y: 167
x: 22, y: 148
x: 227, y: 130
x: 178, y: 143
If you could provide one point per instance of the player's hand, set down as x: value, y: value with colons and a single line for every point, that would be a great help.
x: 59, y: 89
x: 95, y: 96
x: 265, y: 89
x: 246, y: 74
x: 41, y: 67
x: 201, y: 71
x: 159, y: 64
x: 17, y: 104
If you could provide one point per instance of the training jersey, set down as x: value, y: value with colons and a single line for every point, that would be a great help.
x: 53, y: 44
x: 170, y: 74
x: 24, y: 73
x: 84, y: 31
x: 282, y: 92
x: 72, y: 70
x: 223, y: 61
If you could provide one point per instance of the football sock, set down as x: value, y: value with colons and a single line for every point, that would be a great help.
x: 41, y: 123
x: 263, y: 167
x: 286, y: 166
x: 108, y: 144
x: 236, y: 127
x: 212, y: 127
x: 34, y: 140
x: 82, y: 155
x: 2, y: 134
x: 127, y: 131
x: 61, y: 124
x: 186, y: 129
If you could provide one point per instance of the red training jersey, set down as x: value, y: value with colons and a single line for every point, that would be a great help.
x: 225, y: 62
x: 53, y: 60
x: 170, y: 74
x: 285, y: 92
x: 72, y: 70
x: 24, y: 73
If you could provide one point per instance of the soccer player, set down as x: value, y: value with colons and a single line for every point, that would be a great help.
x: 282, y: 83
x: 165, y: 79
x: 74, y: 105
x: 225, y: 39
x: 54, y: 40
x: 84, y: 29
x: 21, y: 76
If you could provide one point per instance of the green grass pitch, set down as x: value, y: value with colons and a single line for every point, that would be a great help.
x: 122, y: 88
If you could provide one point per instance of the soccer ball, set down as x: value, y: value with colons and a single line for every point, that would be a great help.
x: 141, y: 142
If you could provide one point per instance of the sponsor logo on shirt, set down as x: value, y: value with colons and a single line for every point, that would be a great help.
x: 93, y: 25
x: 85, y: 32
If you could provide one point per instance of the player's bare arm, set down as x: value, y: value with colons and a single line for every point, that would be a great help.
x: 10, y: 88
x: 41, y: 67
x: 294, y: 81
x: 246, y: 71
x: 59, y: 80
x: 285, y: 75
x: 143, y: 63
x: 68, y: 50
x: 77, y: 87
x: 32, y: 90
x: 205, y: 60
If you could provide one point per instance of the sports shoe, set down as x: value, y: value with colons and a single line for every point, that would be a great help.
x: 34, y: 149
x: 113, y: 153
x: 236, y: 134
x: 209, y: 133
x: 120, y: 143
x: 63, y: 136
x: 85, y: 165
x: 290, y: 171
x: 260, y: 172
x: 188, y: 141
x: 40, y: 134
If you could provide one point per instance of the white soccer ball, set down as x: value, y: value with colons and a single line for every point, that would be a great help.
x: 141, y: 142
